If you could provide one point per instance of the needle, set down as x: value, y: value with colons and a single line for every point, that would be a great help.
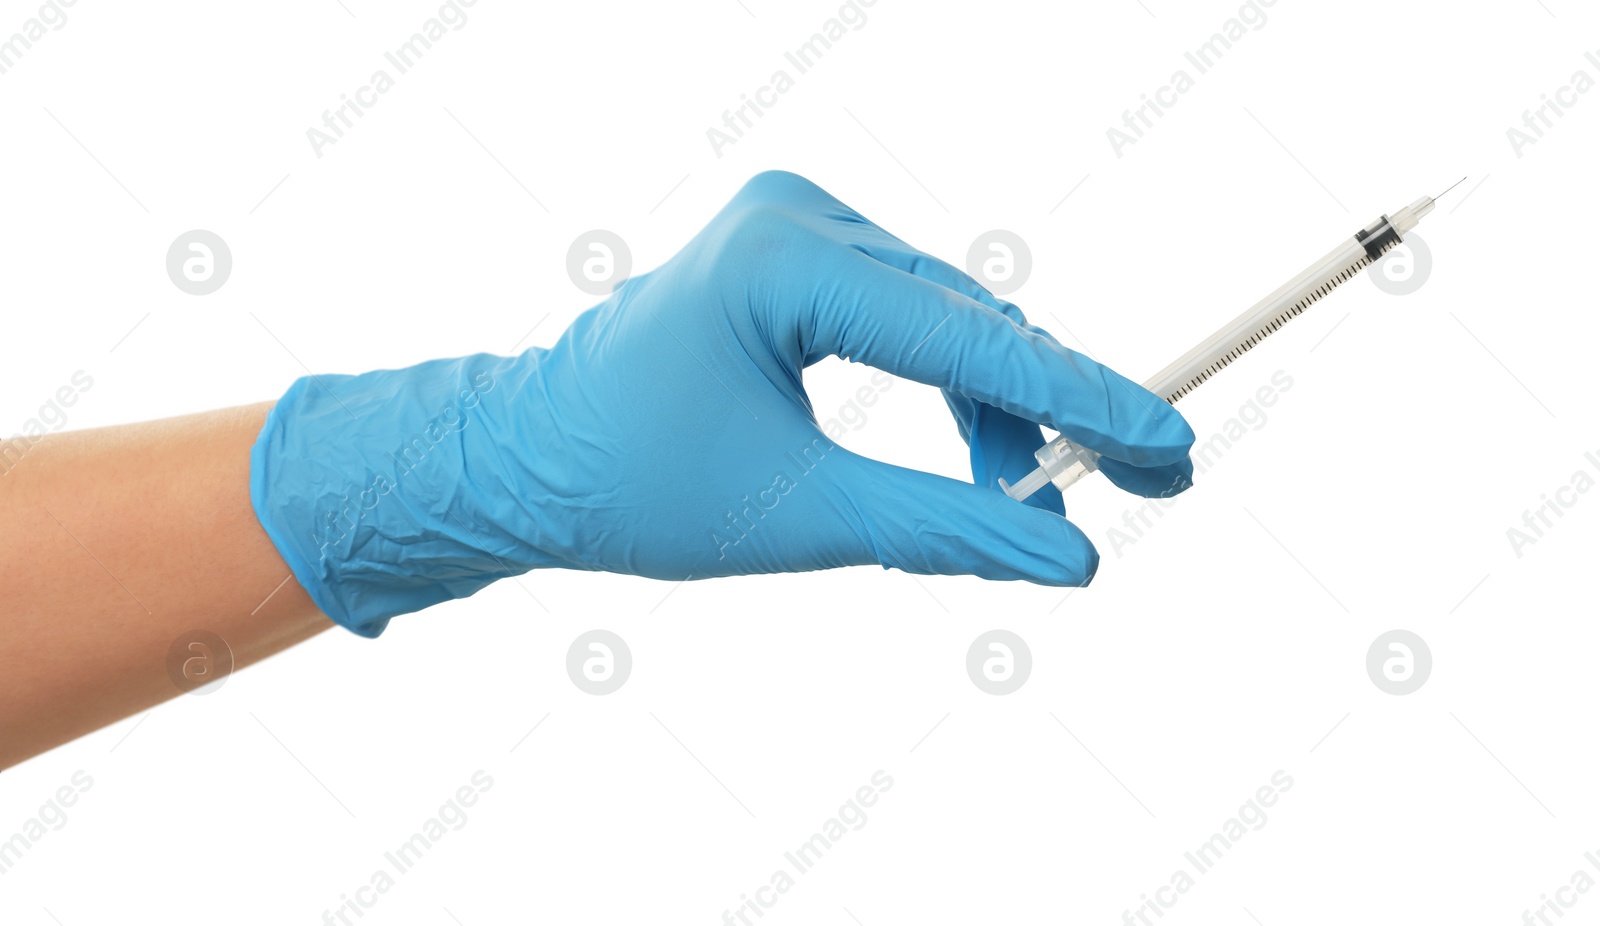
x: 1451, y: 187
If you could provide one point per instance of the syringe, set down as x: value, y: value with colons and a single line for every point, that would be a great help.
x: 1063, y: 462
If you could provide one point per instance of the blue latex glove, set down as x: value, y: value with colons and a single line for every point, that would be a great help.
x: 668, y: 434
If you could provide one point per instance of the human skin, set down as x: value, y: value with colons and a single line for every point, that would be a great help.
x: 125, y: 547
x: 117, y: 542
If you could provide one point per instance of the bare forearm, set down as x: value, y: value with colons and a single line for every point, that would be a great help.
x: 116, y: 542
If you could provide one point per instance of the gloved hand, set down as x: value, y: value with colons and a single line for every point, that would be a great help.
x: 668, y: 434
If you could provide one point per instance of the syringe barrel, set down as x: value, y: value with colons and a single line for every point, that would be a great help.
x: 1250, y: 327
x: 1066, y: 462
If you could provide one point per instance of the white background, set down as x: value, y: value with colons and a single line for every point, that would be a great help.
x: 1222, y: 646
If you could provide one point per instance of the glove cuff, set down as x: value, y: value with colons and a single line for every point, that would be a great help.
x: 395, y: 490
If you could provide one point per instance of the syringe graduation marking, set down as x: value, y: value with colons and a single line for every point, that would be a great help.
x: 1063, y: 462
x: 1260, y: 335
